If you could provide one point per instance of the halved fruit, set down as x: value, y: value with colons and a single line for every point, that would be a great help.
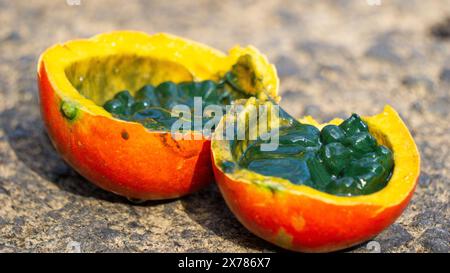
x: 76, y: 78
x: 301, y: 218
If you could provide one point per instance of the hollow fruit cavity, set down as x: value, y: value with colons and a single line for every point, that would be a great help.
x: 341, y: 160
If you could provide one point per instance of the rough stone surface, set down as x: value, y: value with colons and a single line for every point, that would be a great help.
x: 335, y: 57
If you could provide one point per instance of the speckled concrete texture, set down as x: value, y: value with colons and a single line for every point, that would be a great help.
x: 333, y: 58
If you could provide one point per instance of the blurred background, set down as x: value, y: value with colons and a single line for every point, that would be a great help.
x: 334, y: 57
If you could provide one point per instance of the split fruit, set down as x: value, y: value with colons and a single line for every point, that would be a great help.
x: 135, y: 156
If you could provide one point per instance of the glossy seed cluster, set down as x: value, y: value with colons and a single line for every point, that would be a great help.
x: 151, y: 105
x: 341, y: 160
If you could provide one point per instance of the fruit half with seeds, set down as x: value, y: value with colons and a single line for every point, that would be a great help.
x: 135, y: 159
x: 294, y: 197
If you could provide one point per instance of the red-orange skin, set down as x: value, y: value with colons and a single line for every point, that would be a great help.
x: 124, y: 157
x: 325, y: 227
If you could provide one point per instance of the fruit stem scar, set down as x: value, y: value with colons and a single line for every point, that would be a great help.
x: 69, y: 110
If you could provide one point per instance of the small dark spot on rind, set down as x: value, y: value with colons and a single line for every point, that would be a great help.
x: 125, y: 135
x: 177, y: 145
x: 164, y: 140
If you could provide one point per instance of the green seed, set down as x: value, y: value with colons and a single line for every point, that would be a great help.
x: 148, y: 114
x: 213, y: 95
x: 303, y: 135
x: 373, y: 180
x: 360, y: 166
x: 332, y: 133
x: 361, y: 142
x: 125, y: 97
x: 346, y: 186
x: 353, y: 124
x: 207, y: 87
x: 292, y: 169
x: 190, y: 89
x: 146, y: 93
x: 114, y: 106
x: 319, y: 174
x: 140, y: 105
x: 386, y: 160
x: 284, y: 150
x: 335, y: 156
x: 167, y: 92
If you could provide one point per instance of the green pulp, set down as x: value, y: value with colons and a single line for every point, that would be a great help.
x: 341, y: 160
x: 151, y: 105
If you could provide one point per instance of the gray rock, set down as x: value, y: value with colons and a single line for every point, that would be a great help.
x: 425, y: 180
x: 312, y: 110
x: 108, y: 233
x: 8, y: 249
x: 444, y: 76
x: 389, y: 47
x: 13, y: 36
x: 293, y: 95
x: 436, y: 240
x: 3, y: 190
x: 441, y: 30
x: 417, y: 106
x: 393, y: 238
x: 426, y: 219
x: 287, y: 16
x: 413, y: 81
x: 383, y: 51
x: 316, y: 48
x: 441, y: 106
x: 286, y: 66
